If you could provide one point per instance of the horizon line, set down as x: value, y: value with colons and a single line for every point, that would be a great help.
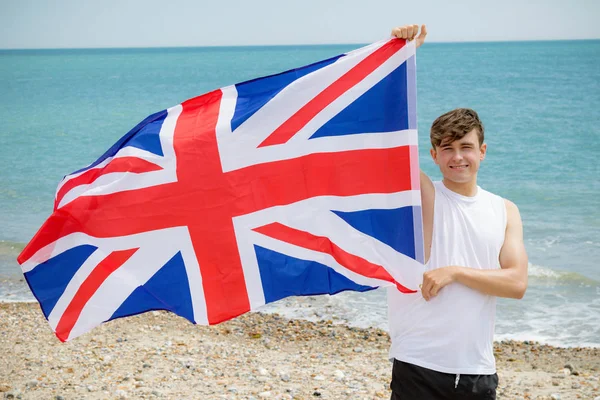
x: 287, y: 45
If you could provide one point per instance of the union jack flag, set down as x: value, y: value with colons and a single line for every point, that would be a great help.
x: 300, y: 183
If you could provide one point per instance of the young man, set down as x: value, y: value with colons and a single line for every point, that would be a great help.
x: 442, y: 338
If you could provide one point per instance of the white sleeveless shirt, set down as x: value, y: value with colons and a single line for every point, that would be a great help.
x: 454, y: 331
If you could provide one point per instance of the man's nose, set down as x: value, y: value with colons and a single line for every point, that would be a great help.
x: 457, y: 155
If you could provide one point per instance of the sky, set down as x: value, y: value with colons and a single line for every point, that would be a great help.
x: 153, y: 23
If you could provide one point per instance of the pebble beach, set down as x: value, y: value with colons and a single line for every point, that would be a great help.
x: 255, y: 356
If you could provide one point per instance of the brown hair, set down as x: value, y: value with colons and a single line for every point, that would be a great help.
x: 454, y: 125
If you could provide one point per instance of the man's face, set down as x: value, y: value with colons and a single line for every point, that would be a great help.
x: 459, y: 161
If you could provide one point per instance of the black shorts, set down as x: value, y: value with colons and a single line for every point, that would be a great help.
x: 411, y: 382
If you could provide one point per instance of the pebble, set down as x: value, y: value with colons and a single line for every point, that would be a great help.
x: 570, y: 367
x: 31, y: 384
x: 263, y: 372
x: 555, y: 396
x: 284, y: 377
x: 264, y: 395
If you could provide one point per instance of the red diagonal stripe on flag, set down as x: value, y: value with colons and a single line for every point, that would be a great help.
x: 123, y: 164
x: 297, y: 121
x: 87, y: 289
x: 322, y: 244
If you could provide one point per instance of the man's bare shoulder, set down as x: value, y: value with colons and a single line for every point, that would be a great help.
x: 511, y: 208
x: 426, y: 181
x: 513, y: 216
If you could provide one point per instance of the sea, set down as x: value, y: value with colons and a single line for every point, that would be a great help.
x: 539, y: 101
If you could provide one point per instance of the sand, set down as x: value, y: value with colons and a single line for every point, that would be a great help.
x: 256, y: 356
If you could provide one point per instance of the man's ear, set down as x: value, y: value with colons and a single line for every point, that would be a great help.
x: 482, y: 151
x: 433, y: 155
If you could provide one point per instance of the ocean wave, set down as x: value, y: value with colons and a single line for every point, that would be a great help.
x: 540, y: 273
x: 545, y: 242
x: 8, y: 248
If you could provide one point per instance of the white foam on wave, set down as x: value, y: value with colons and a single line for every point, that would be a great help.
x: 544, y: 243
x: 538, y: 271
x: 18, y: 301
x: 541, y: 273
x: 560, y: 315
x: 361, y: 310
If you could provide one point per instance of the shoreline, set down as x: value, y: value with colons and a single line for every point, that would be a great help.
x: 160, y: 355
x: 318, y: 316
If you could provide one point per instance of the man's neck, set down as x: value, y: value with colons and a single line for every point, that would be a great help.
x: 468, y: 189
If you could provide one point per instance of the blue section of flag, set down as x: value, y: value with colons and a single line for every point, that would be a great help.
x: 254, y: 94
x: 148, y: 138
x: 393, y: 227
x: 50, y: 279
x: 284, y: 276
x: 383, y: 108
x: 168, y: 290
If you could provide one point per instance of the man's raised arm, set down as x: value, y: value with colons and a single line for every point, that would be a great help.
x: 411, y: 32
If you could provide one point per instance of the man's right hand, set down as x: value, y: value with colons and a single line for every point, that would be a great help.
x: 410, y: 32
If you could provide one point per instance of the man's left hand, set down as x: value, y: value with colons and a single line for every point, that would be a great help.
x: 435, y: 280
